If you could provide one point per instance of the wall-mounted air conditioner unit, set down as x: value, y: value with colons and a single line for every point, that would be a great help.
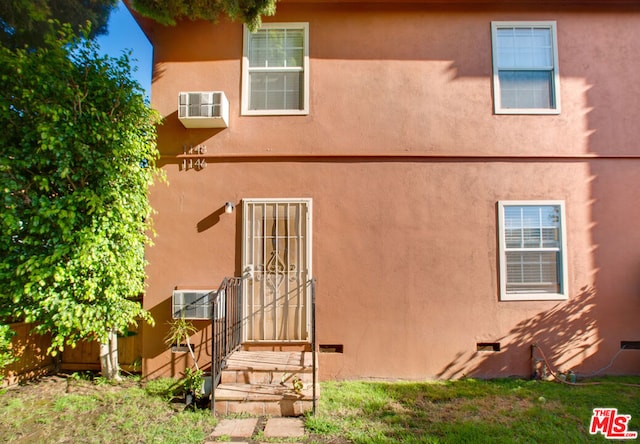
x: 192, y: 304
x: 203, y: 109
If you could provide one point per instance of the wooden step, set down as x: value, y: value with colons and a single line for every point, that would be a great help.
x: 261, y: 400
x: 265, y: 367
x: 262, y: 383
x: 270, y: 360
x: 261, y: 392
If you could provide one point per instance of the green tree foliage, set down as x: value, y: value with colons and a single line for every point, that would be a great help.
x: 26, y: 22
x: 168, y: 11
x: 6, y: 355
x: 77, y: 157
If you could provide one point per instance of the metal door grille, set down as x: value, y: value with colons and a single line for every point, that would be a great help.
x: 276, y: 260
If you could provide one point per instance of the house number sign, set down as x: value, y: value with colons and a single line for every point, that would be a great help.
x: 191, y: 157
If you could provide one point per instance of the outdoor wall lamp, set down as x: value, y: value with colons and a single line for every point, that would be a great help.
x: 228, y: 207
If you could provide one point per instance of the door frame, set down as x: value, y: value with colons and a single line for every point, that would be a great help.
x: 248, y: 273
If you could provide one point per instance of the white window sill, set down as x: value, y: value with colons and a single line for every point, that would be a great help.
x: 276, y: 112
x: 533, y: 297
x: 516, y: 111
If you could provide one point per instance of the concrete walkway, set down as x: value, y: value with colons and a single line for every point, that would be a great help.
x: 251, y: 430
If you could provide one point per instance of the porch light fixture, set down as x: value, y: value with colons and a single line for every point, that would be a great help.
x: 228, y: 207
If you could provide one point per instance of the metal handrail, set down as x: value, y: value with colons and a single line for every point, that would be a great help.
x: 226, y: 328
x: 314, y: 344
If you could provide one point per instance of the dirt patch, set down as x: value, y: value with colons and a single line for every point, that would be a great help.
x: 44, y: 387
x: 49, y: 387
x: 500, y: 409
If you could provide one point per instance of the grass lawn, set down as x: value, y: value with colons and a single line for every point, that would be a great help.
x: 471, y: 411
x: 74, y: 410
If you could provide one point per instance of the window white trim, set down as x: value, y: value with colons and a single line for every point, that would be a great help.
x: 245, y: 111
x: 562, y: 294
x: 555, y: 75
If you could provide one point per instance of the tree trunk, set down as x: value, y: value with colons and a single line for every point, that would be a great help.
x: 109, y: 357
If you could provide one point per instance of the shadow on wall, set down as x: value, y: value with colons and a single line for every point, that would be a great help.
x: 211, y: 219
x: 180, y: 141
x: 174, y: 364
x: 567, y: 334
x: 167, y: 363
x: 31, y: 351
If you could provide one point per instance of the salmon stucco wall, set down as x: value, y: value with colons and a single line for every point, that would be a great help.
x: 405, y: 163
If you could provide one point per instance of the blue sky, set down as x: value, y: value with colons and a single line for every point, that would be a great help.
x: 123, y: 34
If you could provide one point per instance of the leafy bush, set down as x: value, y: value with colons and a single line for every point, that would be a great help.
x: 6, y: 354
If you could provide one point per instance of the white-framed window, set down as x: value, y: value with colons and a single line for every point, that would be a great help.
x: 525, y: 68
x: 275, y: 70
x: 533, y: 264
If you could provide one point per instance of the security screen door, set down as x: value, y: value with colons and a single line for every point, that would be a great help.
x: 276, y: 264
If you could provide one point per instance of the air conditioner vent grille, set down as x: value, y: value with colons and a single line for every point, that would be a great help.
x: 192, y: 304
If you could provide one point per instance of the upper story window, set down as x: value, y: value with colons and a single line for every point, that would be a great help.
x: 275, y: 70
x: 533, y: 263
x: 525, y: 68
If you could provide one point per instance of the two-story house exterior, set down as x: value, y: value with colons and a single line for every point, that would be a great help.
x: 459, y: 176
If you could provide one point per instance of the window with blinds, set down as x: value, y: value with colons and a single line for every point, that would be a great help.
x: 525, y: 67
x: 275, y: 69
x: 532, y: 250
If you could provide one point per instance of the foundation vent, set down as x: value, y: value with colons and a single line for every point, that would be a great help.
x: 488, y: 346
x: 331, y: 348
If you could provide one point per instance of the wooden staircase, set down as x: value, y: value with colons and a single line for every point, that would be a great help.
x: 265, y: 383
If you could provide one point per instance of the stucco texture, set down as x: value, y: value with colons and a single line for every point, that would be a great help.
x: 405, y: 162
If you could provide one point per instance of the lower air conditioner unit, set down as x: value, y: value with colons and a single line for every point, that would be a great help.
x: 192, y: 304
x: 203, y: 109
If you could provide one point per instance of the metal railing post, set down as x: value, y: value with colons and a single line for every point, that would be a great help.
x: 214, y: 310
x: 313, y: 344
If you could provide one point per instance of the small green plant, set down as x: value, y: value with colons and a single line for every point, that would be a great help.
x: 180, y: 330
x: 298, y: 385
x: 137, y: 364
x: 81, y: 376
x: 193, y: 380
x: 192, y: 383
x: 101, y: 380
